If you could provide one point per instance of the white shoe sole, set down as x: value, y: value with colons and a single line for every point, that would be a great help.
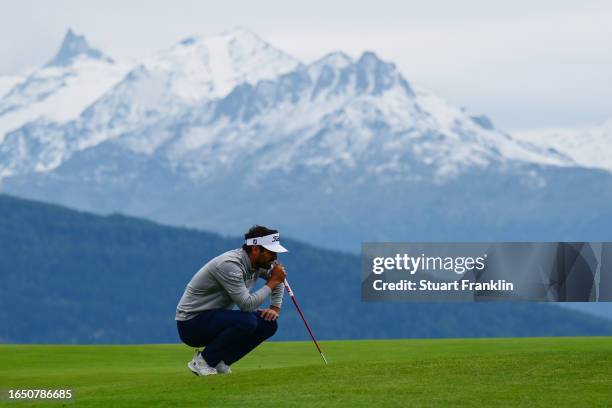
x: 195, y: 370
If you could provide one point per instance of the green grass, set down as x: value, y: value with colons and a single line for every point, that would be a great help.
x: 528, y: 372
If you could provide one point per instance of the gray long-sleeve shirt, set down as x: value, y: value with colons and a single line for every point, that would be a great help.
x: 226, y: 281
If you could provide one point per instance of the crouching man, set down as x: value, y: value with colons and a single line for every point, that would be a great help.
x: 204, y: 315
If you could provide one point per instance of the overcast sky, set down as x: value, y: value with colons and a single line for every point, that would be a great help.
x: 526, y: 64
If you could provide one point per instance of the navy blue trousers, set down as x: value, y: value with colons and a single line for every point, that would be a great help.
x: 227, y: 334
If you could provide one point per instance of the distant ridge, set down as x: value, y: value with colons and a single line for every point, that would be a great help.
x: 74, y: 277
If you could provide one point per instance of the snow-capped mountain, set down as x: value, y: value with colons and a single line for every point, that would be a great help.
x: 333, y: 114
x: 340, y: 114
x: 189, y: 74
x: 61, y: 89
x: 166, y: 85
x: 591, y: 147
x: 219, y: 131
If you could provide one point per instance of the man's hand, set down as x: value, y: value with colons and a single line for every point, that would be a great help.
x: 269, y: 314
x: 277, y: 275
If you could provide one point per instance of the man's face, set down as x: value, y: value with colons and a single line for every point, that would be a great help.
x: 265, y: 258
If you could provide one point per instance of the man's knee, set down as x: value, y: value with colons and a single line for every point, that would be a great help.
x: 269, y: 328
x: 248, y: 323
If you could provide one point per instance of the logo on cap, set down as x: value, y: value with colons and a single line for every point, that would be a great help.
x: 271, y: 242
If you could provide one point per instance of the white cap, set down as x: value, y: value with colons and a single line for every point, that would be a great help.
x: 270, y: 242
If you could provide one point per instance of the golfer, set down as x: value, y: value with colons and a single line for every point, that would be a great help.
x: 204, y: 315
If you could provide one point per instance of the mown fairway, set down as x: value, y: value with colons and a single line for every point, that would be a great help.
x: 463, y: 372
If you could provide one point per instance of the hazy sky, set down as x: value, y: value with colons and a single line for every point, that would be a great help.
x: 526, y: 64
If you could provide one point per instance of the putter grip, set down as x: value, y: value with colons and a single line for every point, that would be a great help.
x: 272, y: 265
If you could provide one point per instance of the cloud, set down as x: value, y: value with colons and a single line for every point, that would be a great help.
x: 485, y: 55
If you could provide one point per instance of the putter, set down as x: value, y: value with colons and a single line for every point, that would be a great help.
x: 303, y: 318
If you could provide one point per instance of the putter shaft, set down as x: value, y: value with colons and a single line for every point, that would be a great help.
x: 297, y: 306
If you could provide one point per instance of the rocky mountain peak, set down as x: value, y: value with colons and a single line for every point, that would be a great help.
x: 74, y: 46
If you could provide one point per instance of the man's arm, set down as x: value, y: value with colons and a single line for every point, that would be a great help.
x: 229, y: 275
x: 276, y: 276
x: 277, y: 296
x: 279, y: 290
